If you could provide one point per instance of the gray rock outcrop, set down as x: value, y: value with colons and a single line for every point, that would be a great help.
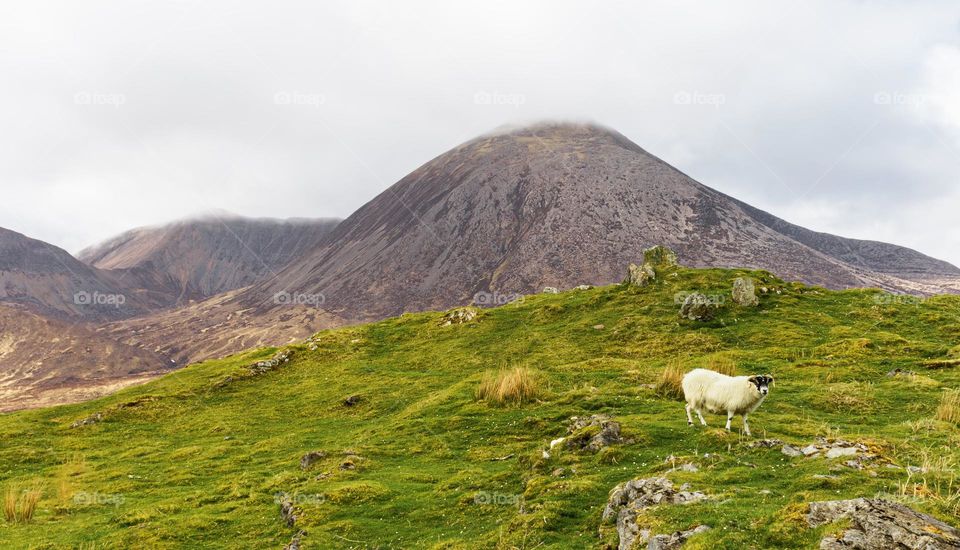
x: 877, y: 524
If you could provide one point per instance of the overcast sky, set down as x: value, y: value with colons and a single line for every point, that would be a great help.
x: 838, y: 116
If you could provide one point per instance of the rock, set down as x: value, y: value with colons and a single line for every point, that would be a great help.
x: 598, y: 327
x: 879, y: 524
x: 676, y: 540
x: 698, y: 307
x: 459, y: 316
x: 765, y: 443
x: 640, y: 275
x: 824, y: 476
x: 660, y: 256
x: 810, y: 450
x: 791, y: 451
x: 584, y: 287
x: 551, y: 290
x: 92, y: 419
x: 278, y: 359
x: 308, y: 459
x: 295, y: 541
x: 626, y: 499
x: 351, y: 461
x: 352, y: 400
x: 558, y: 472
x: 685, y: 467
x: 837, y: 452
x: 593, y: 433
x: 915, y: 470
x: 744, y: 292
x: 287, y: 510
x: 900, y: 372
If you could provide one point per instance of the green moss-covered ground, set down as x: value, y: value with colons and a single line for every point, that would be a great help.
x: 196, y: 458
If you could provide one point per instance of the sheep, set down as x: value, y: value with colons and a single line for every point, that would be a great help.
x: 719, y: 393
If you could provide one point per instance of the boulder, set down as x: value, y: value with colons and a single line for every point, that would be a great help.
x: 287, y: 509
x: 584, y: 287
x: 660, y: 256
x: 592, y: 433
x: 626, y: 499
x: 640, y: 275
x: 697, y: 307
x: 278, y: 359
x: 352, y: 401
x: 310, y: 458
x: 744, y: 293
x: 92, y: 419
x: 675, y: 540
x: 880, y: 524
x: 459, y: 316
x: 551, y: 290
x: 295, y: 541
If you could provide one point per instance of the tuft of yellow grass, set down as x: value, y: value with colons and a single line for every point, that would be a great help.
x: 517, y: 386
x: 949, y: 409
x: 669, y: 384
x: 20, y: 505
x: 10, y: 504
x: 723, y: 365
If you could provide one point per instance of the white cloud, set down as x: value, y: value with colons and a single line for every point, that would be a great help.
x: 783, y: 110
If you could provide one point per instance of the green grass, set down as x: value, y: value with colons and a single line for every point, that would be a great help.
x: 196, y: 458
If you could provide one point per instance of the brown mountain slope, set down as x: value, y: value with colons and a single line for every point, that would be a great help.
x: 201, y: 257
x: 71, y: 364
x: 557, y: 205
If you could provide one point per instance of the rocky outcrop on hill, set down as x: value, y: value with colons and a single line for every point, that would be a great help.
x: 877, y: 524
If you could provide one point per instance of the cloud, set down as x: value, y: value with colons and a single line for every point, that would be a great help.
x: 118, y: 115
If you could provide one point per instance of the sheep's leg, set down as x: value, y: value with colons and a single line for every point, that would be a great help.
x: 746, y: 427
x: 729, y: 418
x: 689, y: 418
x: 700, y: 416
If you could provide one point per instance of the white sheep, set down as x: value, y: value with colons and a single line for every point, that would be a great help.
x: 719, y: 393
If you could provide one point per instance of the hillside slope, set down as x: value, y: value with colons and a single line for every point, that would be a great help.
x: 413, y: 459
x: 71, y: 364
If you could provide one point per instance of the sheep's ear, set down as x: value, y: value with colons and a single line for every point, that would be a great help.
x: 769, y: 378
x: 752, y: 379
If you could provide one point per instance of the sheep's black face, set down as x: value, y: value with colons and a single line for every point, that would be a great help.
x: 762, y: 382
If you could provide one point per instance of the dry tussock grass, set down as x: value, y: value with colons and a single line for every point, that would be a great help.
x: 515, y: 386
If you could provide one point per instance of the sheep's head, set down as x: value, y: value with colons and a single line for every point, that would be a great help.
x: 762, y: 383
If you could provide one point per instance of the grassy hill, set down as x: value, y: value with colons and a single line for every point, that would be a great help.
x: 197, y: 458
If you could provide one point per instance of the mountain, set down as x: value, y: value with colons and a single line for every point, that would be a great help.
x: 64, y: 337
x: 50, y: 281
x: 380, y: 435
x: 558, y: 205
x: 204, y: 256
